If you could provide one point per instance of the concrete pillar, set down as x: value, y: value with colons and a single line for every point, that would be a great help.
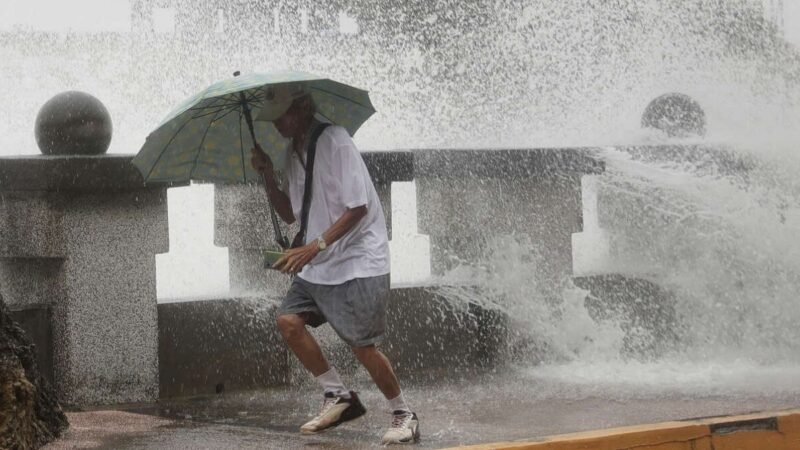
x: 242, y: 222
x: 590, y: 247
x: 80, y: 234
x: 468, y: 198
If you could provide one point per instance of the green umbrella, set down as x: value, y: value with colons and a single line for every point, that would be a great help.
x: 209, y: 136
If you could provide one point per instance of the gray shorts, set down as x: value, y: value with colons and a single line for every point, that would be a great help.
x: 355, y: 309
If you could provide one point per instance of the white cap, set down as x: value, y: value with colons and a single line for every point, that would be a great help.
x: 278, y: 99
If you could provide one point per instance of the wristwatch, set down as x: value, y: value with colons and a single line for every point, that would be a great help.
x: 321, y: 244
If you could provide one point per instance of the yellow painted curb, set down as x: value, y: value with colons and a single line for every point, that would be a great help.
x: 762, y: 431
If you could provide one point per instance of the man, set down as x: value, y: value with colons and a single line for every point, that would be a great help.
x: 341, y: 267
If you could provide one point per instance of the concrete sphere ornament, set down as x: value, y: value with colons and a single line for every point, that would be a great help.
x: 676, y: 114
x: 73, y: 123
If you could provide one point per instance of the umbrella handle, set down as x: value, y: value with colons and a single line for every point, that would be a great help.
x: 247, y: 116
x: 282, y: 240
x: 246, y: 110
x: 279, y: 237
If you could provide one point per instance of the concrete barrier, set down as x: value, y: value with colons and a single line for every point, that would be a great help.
x: 761, y: 431
x: 210, y: 346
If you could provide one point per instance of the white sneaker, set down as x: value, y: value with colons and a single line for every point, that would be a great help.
x: 404, y: 429
x: 335, y: 411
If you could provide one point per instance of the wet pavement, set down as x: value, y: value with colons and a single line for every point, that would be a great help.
x: 518, y: 404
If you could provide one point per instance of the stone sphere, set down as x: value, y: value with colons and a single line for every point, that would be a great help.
x: 676, y: 114
x: 73, y: 123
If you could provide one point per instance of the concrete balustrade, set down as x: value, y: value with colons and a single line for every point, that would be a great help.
x: 467, y: 198
x: 79, y: 236
x: 464, y: 199
x: 619, y: 231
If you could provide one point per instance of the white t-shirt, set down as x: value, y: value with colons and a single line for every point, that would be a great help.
x: 341, y: 181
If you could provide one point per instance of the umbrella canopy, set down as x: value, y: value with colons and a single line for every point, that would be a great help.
x: 207, y: 138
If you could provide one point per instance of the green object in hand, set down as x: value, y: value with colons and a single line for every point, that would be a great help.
x: 271, y: 257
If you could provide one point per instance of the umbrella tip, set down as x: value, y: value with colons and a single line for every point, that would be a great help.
x: 237, y: 73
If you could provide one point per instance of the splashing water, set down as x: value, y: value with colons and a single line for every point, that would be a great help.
x: 724, y: 243
x: 509, y: 281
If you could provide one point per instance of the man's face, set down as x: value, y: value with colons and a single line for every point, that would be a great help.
x: 288, y: 125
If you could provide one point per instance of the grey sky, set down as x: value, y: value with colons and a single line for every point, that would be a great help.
x: 83, y: 15
x: 58, y: 15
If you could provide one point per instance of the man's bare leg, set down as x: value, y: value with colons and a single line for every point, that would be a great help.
x: 380, y: 369
x: 304, y: 346
x: 405, y: 424
x: 340, y: 404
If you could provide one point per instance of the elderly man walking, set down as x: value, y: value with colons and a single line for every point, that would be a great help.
x: 340, y: 257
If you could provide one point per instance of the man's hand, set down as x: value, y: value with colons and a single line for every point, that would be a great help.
x: 260, y: 161
x: 296, y: 258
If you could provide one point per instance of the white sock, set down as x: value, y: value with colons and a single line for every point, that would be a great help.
x: 331, y: 382
x: 399, y: 404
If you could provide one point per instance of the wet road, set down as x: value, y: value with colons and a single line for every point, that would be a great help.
x: 518, y: 404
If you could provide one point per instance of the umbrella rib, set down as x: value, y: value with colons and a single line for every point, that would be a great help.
x: 216, y: 105
x: 213, y: 112
x: 241, y: 147
x: 150, y: 172
x: 223, y: 116
x: 212, y: 107
x: 254, y: 97
x: 344, y: 98
x: 200, y: 148
x: 217, y: 102
x: 212, y: 102
x: 208, y: 104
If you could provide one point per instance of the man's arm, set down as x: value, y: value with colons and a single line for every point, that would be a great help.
x: 296, y: 258
x: 345, y: 166
x: 278, y: 198
x: 347, y: 222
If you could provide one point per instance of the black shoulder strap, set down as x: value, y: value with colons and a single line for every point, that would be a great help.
x: 300, y: 239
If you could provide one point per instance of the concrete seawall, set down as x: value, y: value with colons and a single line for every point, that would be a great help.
x: 215, y: 346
